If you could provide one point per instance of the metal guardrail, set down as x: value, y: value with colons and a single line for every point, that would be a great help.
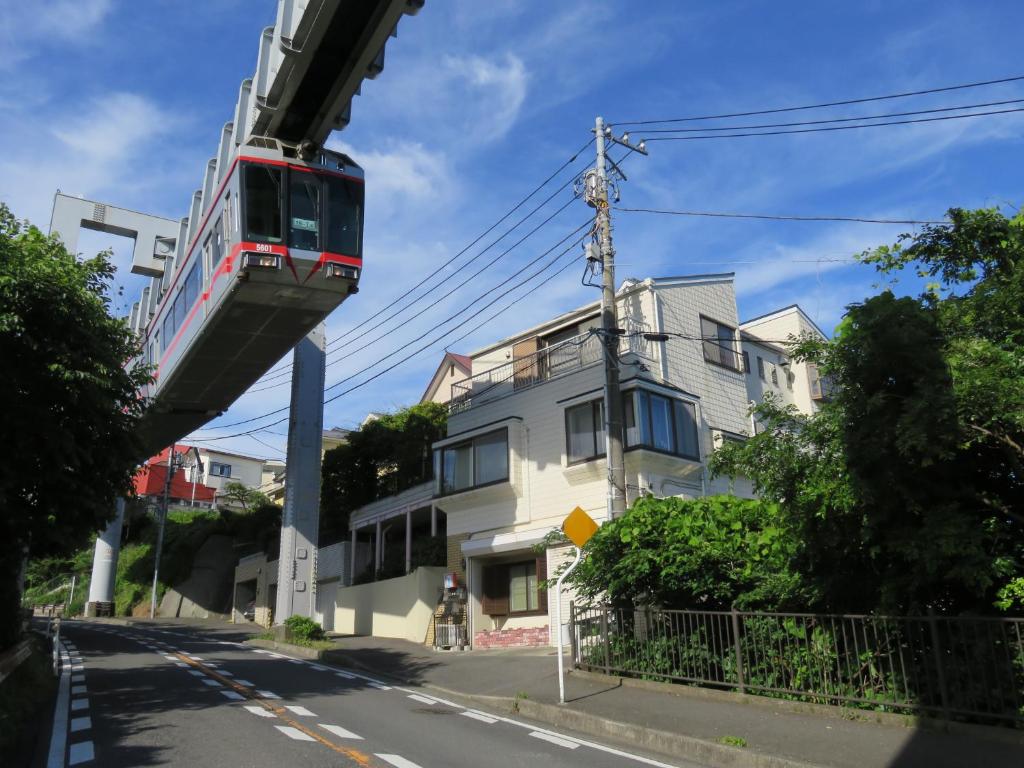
x: 549, y: 363
x: 953, y: 667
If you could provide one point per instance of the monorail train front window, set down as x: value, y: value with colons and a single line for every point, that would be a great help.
x: 304, y: 215
x: 263, y: 204
x: 344, y: 216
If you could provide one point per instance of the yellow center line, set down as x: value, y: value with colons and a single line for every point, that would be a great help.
x: 360, y: 758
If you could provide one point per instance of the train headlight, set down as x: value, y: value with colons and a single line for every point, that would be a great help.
x: 341, y: 270
x: 261, y: 261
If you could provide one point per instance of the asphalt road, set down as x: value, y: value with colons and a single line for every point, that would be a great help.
x: 174, y: 696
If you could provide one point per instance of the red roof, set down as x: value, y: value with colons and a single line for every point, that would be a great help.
x: 464, y: 360
x: 150, y: 479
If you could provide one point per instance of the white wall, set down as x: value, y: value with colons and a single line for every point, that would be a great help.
x: 401, y: 607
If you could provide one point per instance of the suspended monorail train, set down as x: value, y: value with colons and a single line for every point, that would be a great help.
x: 277, y: 249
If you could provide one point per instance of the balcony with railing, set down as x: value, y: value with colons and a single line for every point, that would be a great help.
x: 549, y: 363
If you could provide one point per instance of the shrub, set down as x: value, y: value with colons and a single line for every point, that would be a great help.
x: 302, y: 628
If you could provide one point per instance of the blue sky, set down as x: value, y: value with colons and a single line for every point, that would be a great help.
x: 480, y: 101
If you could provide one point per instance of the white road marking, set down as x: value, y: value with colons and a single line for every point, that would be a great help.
x: 268, y: 694
x: 80, y: 724
x: 171, y: 658
x: 374, y: 682
x: 195, y: 658
x: 77, y: 667
x: 77, y: 704
x: 379, y: 686
x: 211, y: 683
x: 478, y: 716
x: 77, y: 660
x: 247, y: 683
x: 554, y: 740
x: 233, y: 696
x: 261, y: 650
x: 224, y: 672
x: 294, y: 733
x: 337, y: 730
x: 346, y: 675
x: 585, y: 743
x: 398, y: 761
x: 82, y: 752
x: 195, y: 672
x: 293, y: 661
x: 318, y: 668
x: 300, y: 711
x: 260, y: 711
x: 78, y: 689
x: 58, y: 739
x: 78, y: 678
x: 421, y: 699
x: 181, y: 664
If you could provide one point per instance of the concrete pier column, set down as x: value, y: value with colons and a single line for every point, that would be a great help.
x: 104, y: 566
x: 408, y: 540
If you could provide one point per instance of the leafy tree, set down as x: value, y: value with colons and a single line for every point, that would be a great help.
x: 243, y: 496
x: 712, y: 552
x: 385, y: 456
x: 906, y: 487
x: 70, y: 405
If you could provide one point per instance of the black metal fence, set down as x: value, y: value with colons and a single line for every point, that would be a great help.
x: 951, y: 667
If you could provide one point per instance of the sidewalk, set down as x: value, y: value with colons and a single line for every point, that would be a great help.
x: 688, y: 724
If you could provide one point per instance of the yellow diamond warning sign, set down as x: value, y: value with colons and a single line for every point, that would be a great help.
x: 579, y: 527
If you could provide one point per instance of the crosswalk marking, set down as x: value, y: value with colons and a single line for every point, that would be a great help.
x: 421, y: 699
x: 300, y: 711
x: 81, y: 752
x: 77, y: 704
x: 268, y: 694
x: 294, y: 733
x: 232, y: 695
x: 211, y: 683
x: 478, y: 716
x: 80, y: 724
x: 247, y: 683
x: 260, y: 711
x: 554, y: 740
x: 340, y: 732
x: 398, y: 761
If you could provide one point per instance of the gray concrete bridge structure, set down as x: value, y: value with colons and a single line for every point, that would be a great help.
x: 311, y: 64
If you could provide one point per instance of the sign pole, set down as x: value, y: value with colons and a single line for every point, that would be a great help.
x: 558, y: 620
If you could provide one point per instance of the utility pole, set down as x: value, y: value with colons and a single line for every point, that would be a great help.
x: 160, y: 529
x: 597, y: 196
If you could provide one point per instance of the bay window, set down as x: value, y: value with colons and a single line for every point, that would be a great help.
x: 479, y: 460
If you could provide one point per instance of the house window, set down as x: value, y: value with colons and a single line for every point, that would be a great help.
x: 220, y: 470
x: 511, y: 589
x: 660, y: 423
x: 760, y: 368
x: 481, y: 460
x: 719, y: 343
x: 584, y: 431
x: 775, y: 375
x: 746, y: 361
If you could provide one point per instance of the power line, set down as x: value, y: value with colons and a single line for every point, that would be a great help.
x: 476, y: 240
x: 772, y: 217
x: 419, y: 338
x: 836, y: 127
x: 708, y: 129
x: 822, y: 105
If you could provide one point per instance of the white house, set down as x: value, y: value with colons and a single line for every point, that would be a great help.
x: 525, y: 442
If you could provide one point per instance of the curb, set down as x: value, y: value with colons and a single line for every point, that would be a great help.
x: 299, y: 650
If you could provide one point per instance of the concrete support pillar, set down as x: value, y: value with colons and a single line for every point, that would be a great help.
x: 408, y: 541
x: 104, y: 563
x: 352, y: 557
x: 296, y: 590
x: 433, y: 520
x: 377, y: 547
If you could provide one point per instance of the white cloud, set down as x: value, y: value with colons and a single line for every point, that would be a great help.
x: 28, y: 26
x: 499, y: 88
x: 407, y: 169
